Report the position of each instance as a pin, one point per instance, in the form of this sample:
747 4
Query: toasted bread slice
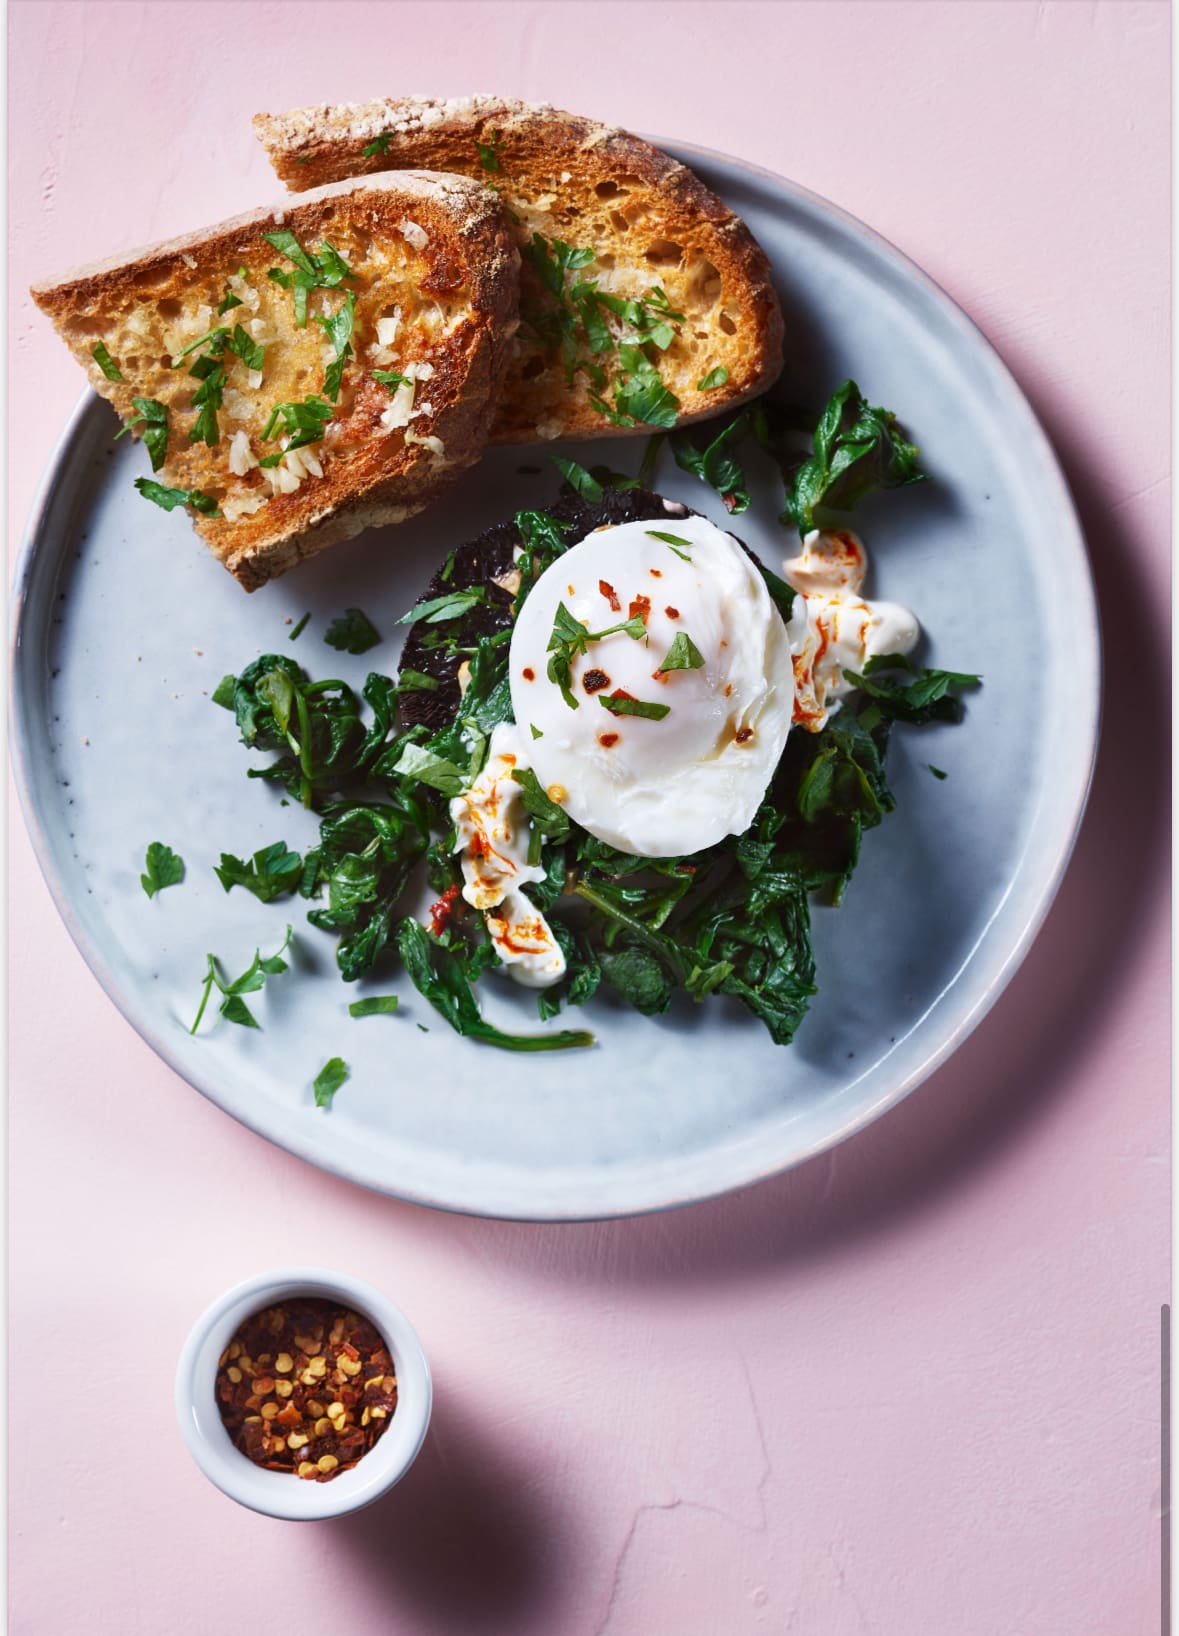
642 223
204 332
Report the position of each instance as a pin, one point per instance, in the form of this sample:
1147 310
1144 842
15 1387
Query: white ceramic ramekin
279 1493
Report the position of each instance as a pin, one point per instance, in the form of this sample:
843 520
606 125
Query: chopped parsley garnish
374 1005
936 771
304 422
535 731
489 151
207 400
214 338
229 300
169 499
683 654
379 144
676 541
430 768
233 1008
622 705
639 392
162 867
441 608
579 480
246 348
328 1081
715 377
573 321
352 632
105 362
338 329
326 270
271 873
390 378
153 417
416 681
298 630
570 637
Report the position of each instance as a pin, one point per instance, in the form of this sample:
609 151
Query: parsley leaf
440 608
216 339
374 1005
207 400
633 707
856 449
326 270
390 378
105 362
639 392
163 867
552 821
233 1008
683 654
246 348
169 499
579 480
153 417
715 377
570 637
271 873
416 681
328 1081
379 144
299 628
338 329
489 151
674 540
304 422
352 632
432 769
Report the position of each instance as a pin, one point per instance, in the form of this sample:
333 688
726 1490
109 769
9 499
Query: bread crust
467 260
543 152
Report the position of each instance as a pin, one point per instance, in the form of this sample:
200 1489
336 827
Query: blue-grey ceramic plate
124 625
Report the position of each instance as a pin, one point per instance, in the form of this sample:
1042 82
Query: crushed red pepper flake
306 1387
641 606
672 613
595 680
610 594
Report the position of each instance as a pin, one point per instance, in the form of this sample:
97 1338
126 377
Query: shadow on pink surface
464 1543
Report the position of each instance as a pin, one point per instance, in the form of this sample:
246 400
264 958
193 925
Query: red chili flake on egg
743 733
642 606
621 693
607 740
528 673
672 613
656 573
610 594
595 680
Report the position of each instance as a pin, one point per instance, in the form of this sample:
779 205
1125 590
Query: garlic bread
302 373
644 300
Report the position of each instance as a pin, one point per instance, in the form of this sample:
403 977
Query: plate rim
1088 668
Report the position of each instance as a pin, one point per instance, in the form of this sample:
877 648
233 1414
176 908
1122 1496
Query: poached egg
667 732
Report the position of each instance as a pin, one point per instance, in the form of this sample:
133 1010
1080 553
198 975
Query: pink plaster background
912 1388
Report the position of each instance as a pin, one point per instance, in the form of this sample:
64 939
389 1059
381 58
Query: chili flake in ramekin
306 1387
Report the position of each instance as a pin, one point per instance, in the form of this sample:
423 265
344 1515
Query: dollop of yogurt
492 834
833 629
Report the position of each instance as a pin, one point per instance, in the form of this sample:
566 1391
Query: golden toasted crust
647 219
430 256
